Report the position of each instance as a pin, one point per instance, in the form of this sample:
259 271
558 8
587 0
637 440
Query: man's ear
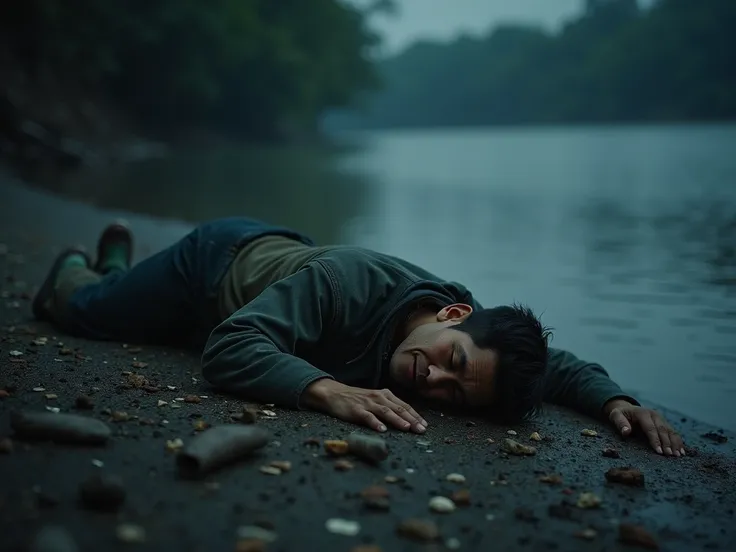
455 313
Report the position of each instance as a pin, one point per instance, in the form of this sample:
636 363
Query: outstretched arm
587 388
254 354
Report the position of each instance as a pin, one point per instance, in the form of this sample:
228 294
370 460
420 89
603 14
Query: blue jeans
170 297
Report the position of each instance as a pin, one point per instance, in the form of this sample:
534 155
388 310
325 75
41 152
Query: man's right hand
374 408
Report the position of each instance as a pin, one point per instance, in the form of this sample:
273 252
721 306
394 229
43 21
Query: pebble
367 447
461 497
255 532
514 447
83 402
391 479
192 399
54 409
535 436
587 534
283 465
336 447
452 543
588 501
174 444
551 479
15 353
97 463
343 465
377 503
342 527
130 533
589 433
161 403
611 453
418 530
104 493
511 432
455 478
70 428
51 396
626 476
39 389
270 470
441 505
268 413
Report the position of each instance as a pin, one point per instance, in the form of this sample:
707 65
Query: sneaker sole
46 291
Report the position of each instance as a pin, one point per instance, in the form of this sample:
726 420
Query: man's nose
437 376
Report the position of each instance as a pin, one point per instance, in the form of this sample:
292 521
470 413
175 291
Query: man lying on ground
336 329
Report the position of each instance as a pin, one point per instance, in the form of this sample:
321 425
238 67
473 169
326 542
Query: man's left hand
627 417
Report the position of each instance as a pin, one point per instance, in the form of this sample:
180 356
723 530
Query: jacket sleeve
252 353
582 386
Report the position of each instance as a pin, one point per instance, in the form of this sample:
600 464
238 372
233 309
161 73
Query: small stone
119 416
6 446
255 532
336 448
174 445
83 402
139 365
535 436
54 409
343 465
39 389
588 501
587 534
192 399
130 533
626 476
511 432
461 497
268 413
514 447
102 492
377 503
441 505
391 479
15 353
171 387
589 433
611 453
418 530
455 478
636 535
452 543
41 341
161 403
51 396
97 463
270 470
200 425
342 527
551 479
249 415
283 465
66 351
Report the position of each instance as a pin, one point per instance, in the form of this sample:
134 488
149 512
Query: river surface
623 239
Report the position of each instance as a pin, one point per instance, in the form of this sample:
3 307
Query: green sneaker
114 248
44 297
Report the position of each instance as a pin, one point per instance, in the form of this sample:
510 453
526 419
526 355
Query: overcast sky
444 18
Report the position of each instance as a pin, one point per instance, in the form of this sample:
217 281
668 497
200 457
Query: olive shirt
292 314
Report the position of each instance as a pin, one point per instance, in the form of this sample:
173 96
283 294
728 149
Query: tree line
252 67
674 60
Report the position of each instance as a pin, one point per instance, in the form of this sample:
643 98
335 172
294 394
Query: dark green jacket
335 318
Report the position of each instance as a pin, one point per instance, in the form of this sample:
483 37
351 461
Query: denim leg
150 303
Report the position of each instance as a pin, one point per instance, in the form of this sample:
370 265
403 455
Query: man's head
493 359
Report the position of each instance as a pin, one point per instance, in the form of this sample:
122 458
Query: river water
624 239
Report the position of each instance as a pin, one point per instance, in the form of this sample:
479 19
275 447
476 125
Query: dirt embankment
47 120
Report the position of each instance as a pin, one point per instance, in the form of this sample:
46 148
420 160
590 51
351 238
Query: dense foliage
617 62
247 65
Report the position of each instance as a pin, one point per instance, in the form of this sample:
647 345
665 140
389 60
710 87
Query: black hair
521 342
